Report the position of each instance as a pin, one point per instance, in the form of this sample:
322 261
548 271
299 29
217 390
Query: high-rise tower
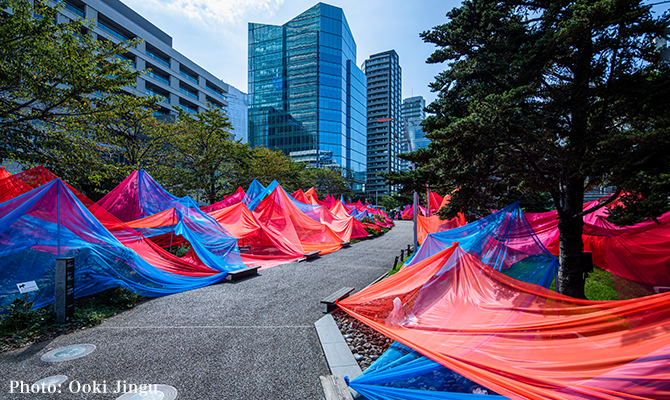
306 94
384 119
413 113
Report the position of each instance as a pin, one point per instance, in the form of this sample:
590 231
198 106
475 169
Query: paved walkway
253 339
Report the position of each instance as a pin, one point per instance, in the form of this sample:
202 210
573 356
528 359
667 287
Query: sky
214 33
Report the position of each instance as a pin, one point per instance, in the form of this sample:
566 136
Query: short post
395 262
64 291
587 261
409 249
402 255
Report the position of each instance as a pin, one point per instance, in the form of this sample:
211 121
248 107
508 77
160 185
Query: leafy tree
549 97
199 151
326 180
49 73
389 202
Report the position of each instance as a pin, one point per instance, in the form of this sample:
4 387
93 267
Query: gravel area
365 344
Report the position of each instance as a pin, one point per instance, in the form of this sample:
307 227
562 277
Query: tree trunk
570 280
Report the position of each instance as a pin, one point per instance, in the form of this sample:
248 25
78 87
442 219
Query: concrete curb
335 348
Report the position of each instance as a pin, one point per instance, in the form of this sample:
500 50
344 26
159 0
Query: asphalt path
252 339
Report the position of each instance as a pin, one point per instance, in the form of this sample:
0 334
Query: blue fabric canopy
50 222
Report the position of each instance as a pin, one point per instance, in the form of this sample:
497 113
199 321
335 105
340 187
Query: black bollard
402 255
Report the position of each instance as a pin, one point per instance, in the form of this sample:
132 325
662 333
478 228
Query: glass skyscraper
307 97
413 114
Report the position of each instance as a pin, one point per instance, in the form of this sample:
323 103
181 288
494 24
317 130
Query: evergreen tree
549 97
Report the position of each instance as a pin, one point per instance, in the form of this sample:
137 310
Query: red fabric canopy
519 339
230 200
640 252
278 212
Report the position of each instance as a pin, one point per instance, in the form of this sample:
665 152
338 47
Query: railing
223 96
153 93
188 93
189 77
112 31
189 109
74 9
158 58
159 78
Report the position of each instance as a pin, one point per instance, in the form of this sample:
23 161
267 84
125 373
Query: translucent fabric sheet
227 201
132 239
280 212
140 195
404 374
257 192
312 198
521 340
435 202
262 246
433 224
499 240
11 186
50 222
640 252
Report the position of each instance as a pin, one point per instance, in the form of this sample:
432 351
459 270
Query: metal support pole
416 209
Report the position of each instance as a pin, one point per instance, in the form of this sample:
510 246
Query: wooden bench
242 273
345 244
339 295
335 388
312 255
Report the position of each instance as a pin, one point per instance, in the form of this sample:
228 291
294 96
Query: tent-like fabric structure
131 238
11 186
257 192
435 202
282 213
402 373
500 240
518 339
49 222
140 195
640 252
264 246
433 224
231 200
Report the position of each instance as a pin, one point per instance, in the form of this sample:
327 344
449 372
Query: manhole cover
68 352
50 382
154 392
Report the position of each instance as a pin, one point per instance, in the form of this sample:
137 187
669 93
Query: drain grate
68 353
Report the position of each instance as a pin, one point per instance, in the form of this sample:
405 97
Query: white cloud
215 12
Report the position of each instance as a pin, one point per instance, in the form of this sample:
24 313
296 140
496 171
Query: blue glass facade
413 114
307 97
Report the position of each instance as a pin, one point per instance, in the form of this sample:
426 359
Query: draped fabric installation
49 222
640 252
518 339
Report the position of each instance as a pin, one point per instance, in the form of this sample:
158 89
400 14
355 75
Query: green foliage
372 231
548 98
52 74
326 180
198 151
599 286
20 324
389 202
